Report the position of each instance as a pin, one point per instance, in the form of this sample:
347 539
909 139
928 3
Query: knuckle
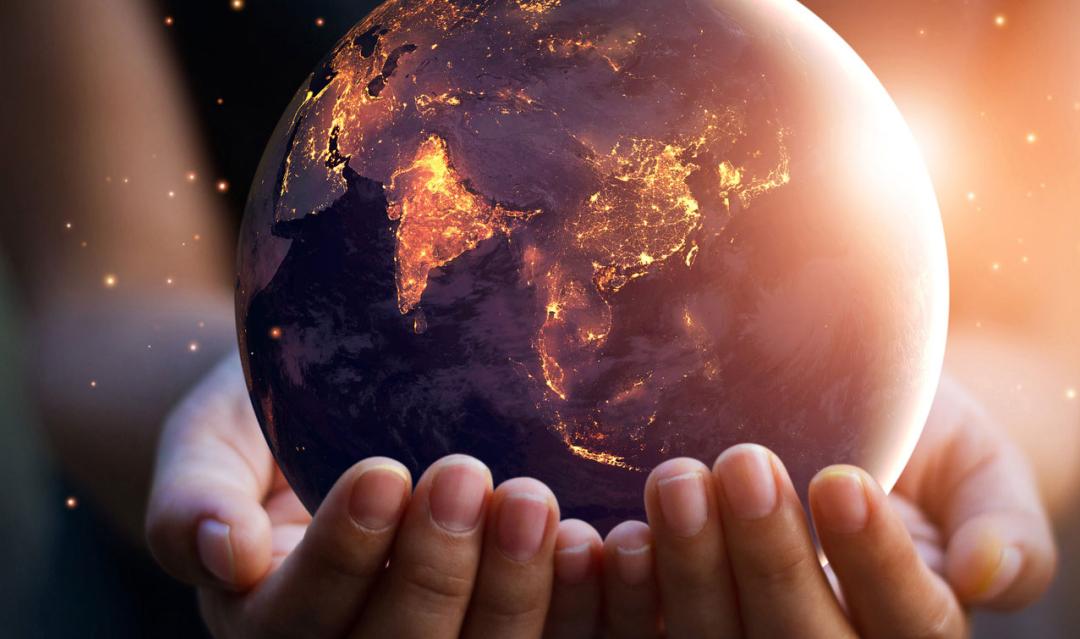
940 621
437 586
506 604
354 556
690 572
782 566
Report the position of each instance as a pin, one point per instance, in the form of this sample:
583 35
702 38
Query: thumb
205 522
977 486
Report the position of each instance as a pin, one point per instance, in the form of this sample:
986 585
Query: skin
963 528
223 519
726 551
109 176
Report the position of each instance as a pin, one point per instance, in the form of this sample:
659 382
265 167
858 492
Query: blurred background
132 128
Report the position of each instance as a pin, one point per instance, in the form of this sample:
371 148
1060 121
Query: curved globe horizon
574 239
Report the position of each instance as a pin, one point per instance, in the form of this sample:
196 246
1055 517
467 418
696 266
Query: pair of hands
726 553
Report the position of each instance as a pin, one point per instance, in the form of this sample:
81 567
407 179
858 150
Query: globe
574 238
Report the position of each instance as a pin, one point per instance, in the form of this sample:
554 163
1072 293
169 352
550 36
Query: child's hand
733 555
463 560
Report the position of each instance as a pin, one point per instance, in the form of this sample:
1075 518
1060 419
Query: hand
463 559
732 552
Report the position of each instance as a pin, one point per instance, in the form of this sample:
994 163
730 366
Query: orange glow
439 218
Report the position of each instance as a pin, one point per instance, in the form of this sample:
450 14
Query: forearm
114 230
106 377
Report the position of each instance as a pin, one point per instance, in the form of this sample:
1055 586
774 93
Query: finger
205 521
889 590
513 587
433 565
782 591
692 570
576 595
1001 551
631 601
979 489
325 581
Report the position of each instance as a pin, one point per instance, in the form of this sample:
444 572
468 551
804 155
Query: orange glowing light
222 186
439 218
71 503
110 280
320 22
193 346
237 5
275 332
1000 20
1032 138
168 21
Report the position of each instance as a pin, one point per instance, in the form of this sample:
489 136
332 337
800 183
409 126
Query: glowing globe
575 238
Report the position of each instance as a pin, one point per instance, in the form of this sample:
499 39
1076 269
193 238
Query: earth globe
574 238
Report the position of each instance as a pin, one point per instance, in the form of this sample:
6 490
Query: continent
643 213
604 141
439 218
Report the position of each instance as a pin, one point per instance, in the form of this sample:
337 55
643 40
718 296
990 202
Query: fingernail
572 564
749 484
683 503
633 563
457 496
840 499
215 549
377 497
522 520
1004 574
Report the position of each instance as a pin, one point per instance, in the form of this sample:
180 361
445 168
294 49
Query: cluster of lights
642 259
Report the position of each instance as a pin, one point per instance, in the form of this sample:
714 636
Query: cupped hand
379 559
728 550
